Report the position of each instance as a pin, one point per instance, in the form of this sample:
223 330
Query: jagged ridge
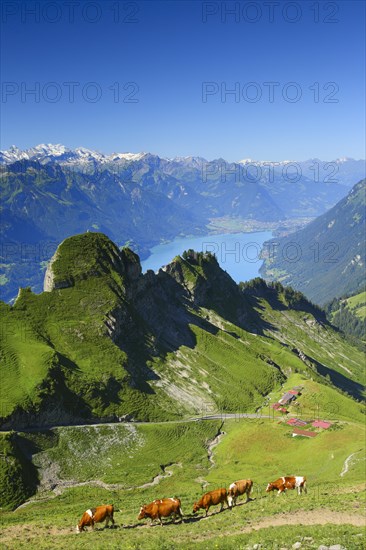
106 340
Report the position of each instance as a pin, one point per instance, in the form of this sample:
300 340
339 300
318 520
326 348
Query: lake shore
237 253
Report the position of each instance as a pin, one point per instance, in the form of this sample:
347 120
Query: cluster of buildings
288 398
305 433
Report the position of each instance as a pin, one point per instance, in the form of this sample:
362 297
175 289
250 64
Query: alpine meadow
183 327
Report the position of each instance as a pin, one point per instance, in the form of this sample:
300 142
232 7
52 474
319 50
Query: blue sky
140 77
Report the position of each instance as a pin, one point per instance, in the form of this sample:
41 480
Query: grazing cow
96 515
242 487
219 496
282 484
161 508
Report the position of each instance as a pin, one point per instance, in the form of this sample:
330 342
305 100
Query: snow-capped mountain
344 170
194 162
50 152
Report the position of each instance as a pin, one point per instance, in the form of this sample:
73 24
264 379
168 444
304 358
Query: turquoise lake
237 253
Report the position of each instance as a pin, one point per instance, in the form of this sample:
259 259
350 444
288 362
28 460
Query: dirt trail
347 463
313 517
214 416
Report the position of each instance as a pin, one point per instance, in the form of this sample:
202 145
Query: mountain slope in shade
349 314
104 340
326 259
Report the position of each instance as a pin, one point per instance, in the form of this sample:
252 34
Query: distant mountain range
345 171
105 340
50 192
326 259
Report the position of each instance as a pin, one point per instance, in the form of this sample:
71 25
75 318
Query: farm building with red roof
321 424
296 422
287 398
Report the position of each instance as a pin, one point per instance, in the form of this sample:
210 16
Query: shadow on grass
193 518
243 502
148 525
187 519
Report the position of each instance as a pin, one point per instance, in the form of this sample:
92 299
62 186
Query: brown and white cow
96 515
218 496
159 508
241 487
282 484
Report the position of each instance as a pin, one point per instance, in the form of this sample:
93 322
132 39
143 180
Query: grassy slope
328 353
90 362
263 450
357 303
26 360
18 476
260 449
349 315
131 454
231 362
228 368
56 350
74 324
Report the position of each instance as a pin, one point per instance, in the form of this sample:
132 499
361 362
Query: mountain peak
60 153
88 255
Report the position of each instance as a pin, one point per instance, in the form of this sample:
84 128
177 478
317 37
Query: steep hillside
349 314
326 259
103 340
18 476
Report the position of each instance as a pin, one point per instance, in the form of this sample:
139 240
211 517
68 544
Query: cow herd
166 507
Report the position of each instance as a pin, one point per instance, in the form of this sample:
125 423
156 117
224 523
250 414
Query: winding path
307 517
347 463
222 416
